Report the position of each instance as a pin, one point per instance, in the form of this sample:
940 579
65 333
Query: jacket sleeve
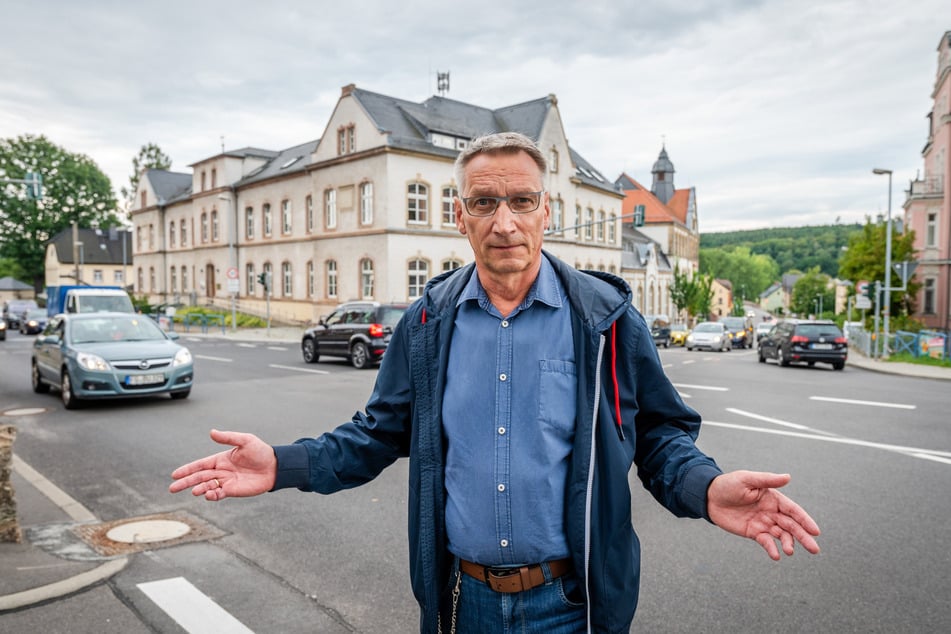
356 452
669 464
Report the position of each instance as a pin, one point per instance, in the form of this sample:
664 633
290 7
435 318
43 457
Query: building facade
365 212
928 204
89 257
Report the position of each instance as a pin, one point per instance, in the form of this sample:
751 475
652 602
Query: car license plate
144 379
822 346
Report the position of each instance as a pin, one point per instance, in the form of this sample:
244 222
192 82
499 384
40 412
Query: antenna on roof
442 83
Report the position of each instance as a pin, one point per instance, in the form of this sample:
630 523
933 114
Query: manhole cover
25 411
148 531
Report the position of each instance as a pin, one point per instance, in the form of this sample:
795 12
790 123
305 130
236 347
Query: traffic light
870 291
262 278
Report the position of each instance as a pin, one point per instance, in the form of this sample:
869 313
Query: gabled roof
169 186
773 288
98 246
680 203
12 284
293 159
637 249
654 210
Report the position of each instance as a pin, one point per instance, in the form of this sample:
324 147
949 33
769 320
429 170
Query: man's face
505 242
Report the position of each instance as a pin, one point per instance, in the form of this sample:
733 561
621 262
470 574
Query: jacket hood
599 298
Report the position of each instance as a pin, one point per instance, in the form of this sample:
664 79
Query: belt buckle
499 572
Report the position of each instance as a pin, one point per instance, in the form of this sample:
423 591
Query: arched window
214 225
249 223
451 264
251 279
366 203
184 279
287 278
171 233
331 278
366 278
267 220
417 203
330 209
184 232
173 280
309 206
311 279
204 227
449 192
286 216
418 276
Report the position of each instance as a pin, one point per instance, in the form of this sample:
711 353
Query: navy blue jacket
627 413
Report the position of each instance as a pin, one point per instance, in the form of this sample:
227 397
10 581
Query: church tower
663 172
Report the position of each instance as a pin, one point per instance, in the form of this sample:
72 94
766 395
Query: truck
87 299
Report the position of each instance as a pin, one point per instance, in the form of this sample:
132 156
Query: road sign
905 269
232 273
861 288
862 302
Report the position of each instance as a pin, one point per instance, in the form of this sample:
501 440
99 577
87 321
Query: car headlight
716 339
689 337
182 357
92 362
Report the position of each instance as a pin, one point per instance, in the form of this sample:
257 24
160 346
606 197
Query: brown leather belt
510 580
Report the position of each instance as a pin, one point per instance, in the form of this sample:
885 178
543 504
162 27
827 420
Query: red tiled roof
678 204
654 210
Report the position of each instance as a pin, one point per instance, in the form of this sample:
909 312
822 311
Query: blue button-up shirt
508 414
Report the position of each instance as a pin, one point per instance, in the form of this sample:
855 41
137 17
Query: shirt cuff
696 483
293 468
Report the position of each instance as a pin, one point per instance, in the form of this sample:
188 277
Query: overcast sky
776 111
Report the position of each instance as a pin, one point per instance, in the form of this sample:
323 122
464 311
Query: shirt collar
546 288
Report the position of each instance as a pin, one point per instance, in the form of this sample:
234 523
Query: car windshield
814 331
389 315
733 322
708 327
36 314
679 327
102 329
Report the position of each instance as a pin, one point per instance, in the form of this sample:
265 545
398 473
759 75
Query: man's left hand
748 504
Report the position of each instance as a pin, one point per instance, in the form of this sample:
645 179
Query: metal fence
927 343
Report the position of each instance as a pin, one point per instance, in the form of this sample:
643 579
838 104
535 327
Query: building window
184 232
588 220
612 229
366 278
266 222
341 141
97 276
117 277
417 203
366 203
142 201
171 234
553 161
418 276
151 279
331 278
451 265
214 225
311 279
140 280
931 232
250 280
287 279
249 223
173 279
557 215
151 236
578 220
138 239
309 206
600 226
214 178
928 307
351 138
204 227
202 182
330 209
286 216
448 212
346 139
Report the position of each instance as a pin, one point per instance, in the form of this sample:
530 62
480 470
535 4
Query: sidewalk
857 360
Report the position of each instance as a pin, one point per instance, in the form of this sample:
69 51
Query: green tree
692 294
864 259
808 289
150 156
750 273
10 268
74 190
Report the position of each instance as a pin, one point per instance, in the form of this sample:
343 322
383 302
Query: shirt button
503 377
501 431
501 488
504 543
505 323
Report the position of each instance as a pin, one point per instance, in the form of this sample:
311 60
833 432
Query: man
522 391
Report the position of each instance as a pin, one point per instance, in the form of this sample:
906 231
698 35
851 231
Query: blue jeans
546 609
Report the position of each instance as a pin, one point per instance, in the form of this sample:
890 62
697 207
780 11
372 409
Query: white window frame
249 223
417 203
366 203
287 278
330 209
309 203
267 219
449 193
331 273
367 278
252 280
311 279
417 276
287 216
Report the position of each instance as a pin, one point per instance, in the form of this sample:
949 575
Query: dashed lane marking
208 358
290 367
278 348
712 388
193 610
850 401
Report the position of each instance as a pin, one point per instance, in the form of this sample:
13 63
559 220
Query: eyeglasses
518 203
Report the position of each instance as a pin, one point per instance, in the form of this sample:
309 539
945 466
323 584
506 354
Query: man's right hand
248 469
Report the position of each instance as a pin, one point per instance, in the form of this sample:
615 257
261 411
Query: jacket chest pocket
557 397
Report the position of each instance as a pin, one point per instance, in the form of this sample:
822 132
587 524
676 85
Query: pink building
928 204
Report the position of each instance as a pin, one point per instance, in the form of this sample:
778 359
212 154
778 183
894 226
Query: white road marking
194 611
278 348
925 456
689 362
296 369
247 345
854 402
207 358
775 421
702 387
916 452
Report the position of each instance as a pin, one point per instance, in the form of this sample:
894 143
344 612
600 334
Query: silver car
709 335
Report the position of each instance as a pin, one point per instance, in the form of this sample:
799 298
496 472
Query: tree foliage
808 289
74 190
750 273
692 294
150 156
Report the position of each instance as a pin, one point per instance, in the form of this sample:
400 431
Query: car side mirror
172 335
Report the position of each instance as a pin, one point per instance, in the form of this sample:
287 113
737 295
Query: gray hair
498 143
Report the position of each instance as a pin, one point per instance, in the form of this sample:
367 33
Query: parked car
711 335
33 322
660 329
90 356
14 310
762 329
3 329
802 341
678 334
741 331
358 331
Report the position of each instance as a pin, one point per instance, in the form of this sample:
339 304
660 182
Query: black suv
800 341
15 309
358 331
741 329
660 329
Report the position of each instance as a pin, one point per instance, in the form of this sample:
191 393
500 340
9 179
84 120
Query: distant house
11 288
94 257
773 300
788 283
722 303
645 266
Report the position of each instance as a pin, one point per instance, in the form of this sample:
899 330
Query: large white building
364 212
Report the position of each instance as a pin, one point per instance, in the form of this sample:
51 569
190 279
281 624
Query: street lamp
820 305
233 264
888 256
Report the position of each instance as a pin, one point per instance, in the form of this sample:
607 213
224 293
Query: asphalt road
870 456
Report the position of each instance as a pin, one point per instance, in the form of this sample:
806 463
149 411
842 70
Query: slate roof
293 159
637 249
98 246
12 284
169 186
